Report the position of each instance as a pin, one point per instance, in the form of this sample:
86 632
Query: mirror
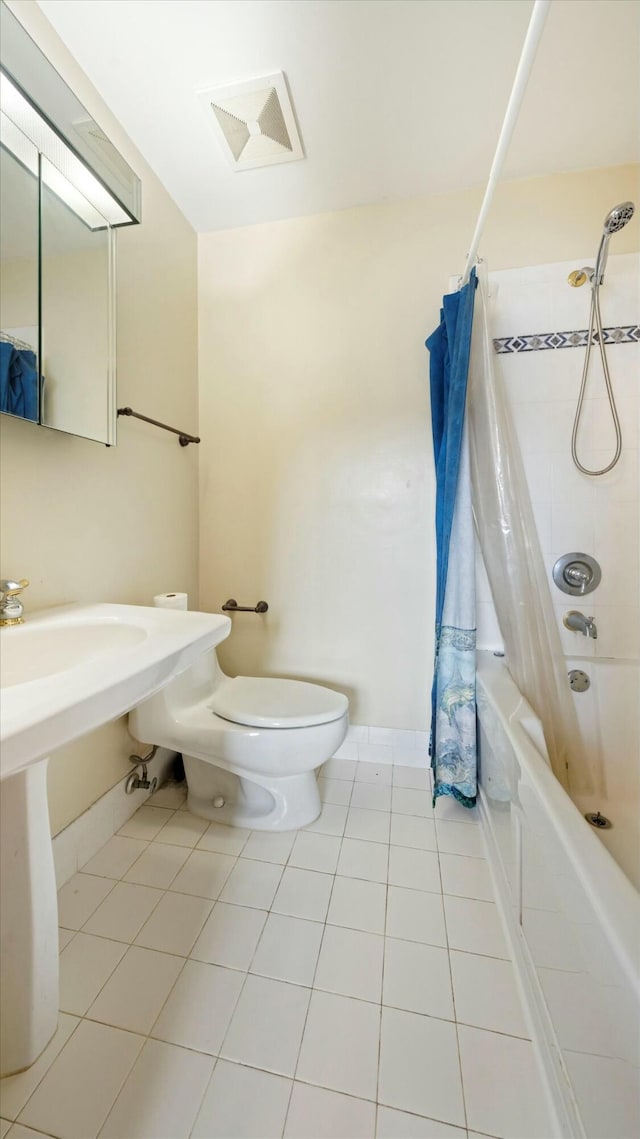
64 189
76 305
19 309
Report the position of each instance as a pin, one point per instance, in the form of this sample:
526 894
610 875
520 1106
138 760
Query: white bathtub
609 718
573 916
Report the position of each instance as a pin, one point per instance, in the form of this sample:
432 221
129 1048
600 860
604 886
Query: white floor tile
161 1096
303 894
175 924
224 839
20 1132
183 829
242 1103
415 916
315 1113
456 839
137 989
252 884
339 769
368 860
502 1086
449 810
331 820
288 949
358 904
199 1007
350 963
170 795
80 897
372 772
416 778
372 826
85 966
414 869
124 912
411 830
5 1124
409 801
157 865
267 847
474 927
78 1091
340 1045
115 857
315 852
64 937
337 791
204 874
393 1124
486 995
371 797
419 1069
267 1025
146 823
466 877
15 1090
230 936
417 978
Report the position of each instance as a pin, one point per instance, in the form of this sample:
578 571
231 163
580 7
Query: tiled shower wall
573 511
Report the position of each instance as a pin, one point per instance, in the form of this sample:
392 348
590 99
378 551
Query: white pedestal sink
64 672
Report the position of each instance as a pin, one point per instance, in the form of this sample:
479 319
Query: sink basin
64 672
37 652
70 669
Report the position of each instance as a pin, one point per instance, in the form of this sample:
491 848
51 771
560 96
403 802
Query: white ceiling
394 98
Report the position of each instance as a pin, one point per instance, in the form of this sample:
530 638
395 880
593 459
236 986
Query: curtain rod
529 48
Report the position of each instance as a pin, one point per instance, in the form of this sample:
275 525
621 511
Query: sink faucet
578 623
11 610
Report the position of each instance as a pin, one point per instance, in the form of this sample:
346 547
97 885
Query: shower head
615 220
618 217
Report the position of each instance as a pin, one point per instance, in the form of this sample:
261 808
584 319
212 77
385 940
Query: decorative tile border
538 342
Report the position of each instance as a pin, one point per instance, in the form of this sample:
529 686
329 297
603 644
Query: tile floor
348 981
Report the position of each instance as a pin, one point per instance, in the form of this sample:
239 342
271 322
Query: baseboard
84 837
563 1108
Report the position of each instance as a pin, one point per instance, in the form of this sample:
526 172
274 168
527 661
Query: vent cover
254 121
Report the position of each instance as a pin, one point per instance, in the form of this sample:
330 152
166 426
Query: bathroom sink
68 670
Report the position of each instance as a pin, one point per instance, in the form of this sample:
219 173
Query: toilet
250 745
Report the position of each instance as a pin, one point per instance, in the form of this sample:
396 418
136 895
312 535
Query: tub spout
578 623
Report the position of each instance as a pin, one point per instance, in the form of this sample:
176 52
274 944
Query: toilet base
280 803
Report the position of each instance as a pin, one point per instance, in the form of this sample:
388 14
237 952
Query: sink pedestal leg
28 920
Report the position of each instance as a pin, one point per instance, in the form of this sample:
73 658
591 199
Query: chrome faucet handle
11 610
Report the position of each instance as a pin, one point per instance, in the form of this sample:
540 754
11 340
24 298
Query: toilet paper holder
231 606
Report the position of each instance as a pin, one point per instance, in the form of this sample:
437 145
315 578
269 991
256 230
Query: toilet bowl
250 745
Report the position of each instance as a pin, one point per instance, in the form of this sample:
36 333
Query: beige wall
317 487
84 522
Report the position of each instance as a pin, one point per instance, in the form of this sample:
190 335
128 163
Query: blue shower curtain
453 696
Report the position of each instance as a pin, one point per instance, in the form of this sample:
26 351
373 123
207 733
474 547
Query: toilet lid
262 702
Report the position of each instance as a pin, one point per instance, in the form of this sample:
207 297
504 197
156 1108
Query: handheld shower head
615 220
618 217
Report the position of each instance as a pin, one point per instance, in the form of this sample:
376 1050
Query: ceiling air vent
254 121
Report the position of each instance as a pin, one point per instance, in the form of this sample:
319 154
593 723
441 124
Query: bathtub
609 719
572 915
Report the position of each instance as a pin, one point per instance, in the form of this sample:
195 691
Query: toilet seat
263 702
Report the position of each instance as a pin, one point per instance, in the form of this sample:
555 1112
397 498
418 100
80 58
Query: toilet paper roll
171 600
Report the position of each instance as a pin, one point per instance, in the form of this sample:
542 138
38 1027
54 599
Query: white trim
87 834
372 744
